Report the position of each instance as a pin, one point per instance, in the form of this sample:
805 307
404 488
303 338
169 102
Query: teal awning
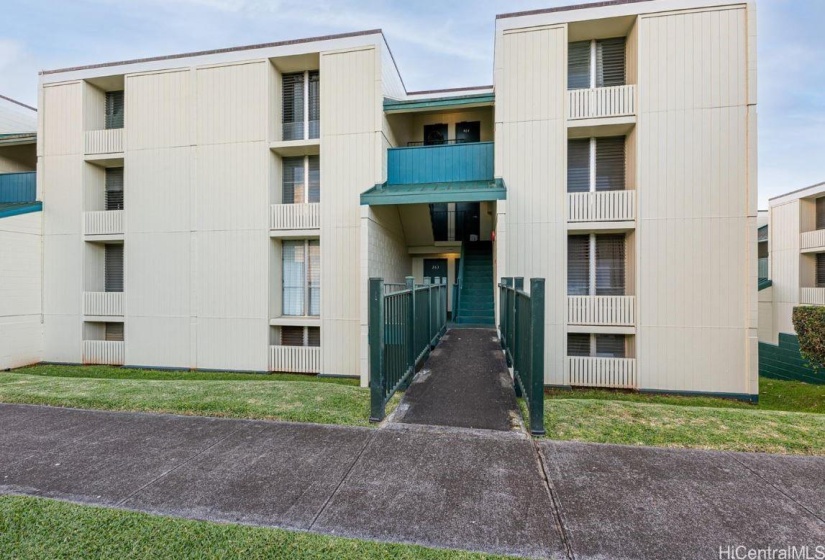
438 103
432 193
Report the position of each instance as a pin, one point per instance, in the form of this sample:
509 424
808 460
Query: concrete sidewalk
445 487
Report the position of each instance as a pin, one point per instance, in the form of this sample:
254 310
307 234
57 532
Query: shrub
809 322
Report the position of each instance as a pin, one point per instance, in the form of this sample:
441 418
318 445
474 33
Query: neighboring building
797 277
224 210
762 250
21 330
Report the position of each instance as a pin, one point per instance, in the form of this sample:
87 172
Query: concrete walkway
446 487
464 383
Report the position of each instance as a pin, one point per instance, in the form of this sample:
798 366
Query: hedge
809 322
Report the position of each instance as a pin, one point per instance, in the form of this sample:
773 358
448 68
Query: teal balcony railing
18 187
440 164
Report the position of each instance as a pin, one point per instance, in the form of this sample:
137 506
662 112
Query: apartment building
796 276
21 335
225 210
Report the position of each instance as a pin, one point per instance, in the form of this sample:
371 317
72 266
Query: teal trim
396 106
764 283
784 361
18 187
440 164
735 396
432 193
18 208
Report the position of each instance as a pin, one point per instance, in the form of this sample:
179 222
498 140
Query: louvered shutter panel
820 213
314 277
610 163
114 188
610 265
820 270
314 100
114 109
610 346
578 65
314 179
313 336
294 277
293 106
293 182
578 265
578 344
292 336
113 332
113 265
610 62
578 165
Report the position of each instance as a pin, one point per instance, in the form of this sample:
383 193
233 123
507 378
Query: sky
436 44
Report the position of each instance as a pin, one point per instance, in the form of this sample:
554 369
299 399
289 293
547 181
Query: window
114 109
820 270
606 154
820 213
301 278
596 345
596 265
114 188
597 63
301 106
301 336
113 265
301 180
113 332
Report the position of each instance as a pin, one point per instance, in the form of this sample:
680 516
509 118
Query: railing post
518 285
430 335
376 341
537 356
411 351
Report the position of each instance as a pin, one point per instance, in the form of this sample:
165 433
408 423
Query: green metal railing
521 329
404 325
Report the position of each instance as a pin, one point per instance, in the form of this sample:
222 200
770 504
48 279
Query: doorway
435 270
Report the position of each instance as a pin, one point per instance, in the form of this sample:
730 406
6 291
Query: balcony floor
432 193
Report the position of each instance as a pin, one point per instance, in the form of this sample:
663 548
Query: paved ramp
463 384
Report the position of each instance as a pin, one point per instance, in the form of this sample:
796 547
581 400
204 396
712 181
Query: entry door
467 132
435 134
435 268
468 215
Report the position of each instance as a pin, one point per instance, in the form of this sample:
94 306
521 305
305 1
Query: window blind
820 213
113 332
314 336
292 336
578 344
820 270
314 100
113 265
610 265
293 180
114 109
294 277
114 188
314 277
314 179
610 345
610 163
578 265
293 106
578 65
578 165
610 62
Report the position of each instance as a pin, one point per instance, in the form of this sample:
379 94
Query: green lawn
790 418
236 395
35 528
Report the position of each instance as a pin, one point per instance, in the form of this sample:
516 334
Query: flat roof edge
216 51
797 191
602 4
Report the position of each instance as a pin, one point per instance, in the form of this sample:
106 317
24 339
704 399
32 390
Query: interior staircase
476 298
